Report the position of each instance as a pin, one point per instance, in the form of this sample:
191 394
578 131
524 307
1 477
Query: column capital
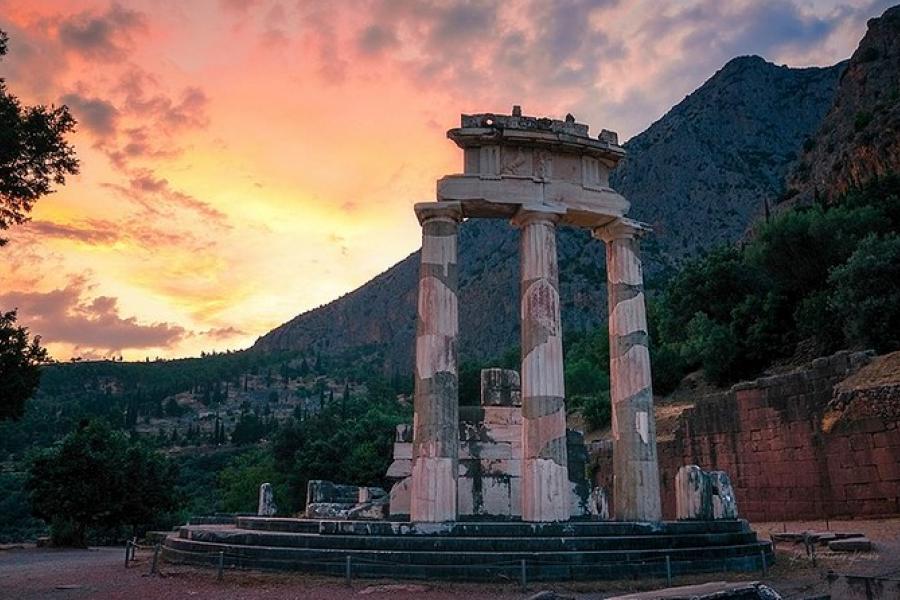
621 229
430 211
528 214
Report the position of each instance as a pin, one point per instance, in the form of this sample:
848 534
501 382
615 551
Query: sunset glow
243 161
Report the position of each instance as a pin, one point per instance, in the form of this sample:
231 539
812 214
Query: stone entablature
514 161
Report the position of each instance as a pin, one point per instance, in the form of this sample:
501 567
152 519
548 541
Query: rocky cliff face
860 137
704 171
699 175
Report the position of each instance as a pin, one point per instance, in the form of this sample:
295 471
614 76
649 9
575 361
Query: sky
243 161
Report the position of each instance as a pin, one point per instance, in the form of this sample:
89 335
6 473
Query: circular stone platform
473 550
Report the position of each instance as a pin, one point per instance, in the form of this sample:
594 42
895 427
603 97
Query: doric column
436 404
545 479
635 469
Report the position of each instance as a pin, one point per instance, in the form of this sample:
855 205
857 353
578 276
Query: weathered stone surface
856 544
545 481
500 387
266 506
636 480
400 468
724 502
319 490
719 590
328 510
702 495
435 444
399 502
327 500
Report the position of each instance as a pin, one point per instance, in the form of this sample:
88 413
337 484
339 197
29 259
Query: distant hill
700 175
859 139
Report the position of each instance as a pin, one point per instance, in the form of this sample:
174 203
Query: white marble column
635 466
436 405
545 479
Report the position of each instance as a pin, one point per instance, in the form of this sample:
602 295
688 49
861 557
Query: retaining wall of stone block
789 452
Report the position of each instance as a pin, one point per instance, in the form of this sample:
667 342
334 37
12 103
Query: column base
433 490
545 490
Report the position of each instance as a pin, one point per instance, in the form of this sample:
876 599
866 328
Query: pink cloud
65 315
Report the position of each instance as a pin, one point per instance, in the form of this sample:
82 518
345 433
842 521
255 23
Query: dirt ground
28 573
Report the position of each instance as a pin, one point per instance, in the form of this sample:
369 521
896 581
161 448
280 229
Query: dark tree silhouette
34 153
20 361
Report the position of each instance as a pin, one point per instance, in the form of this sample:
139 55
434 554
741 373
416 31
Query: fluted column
635 469
436 403
545 480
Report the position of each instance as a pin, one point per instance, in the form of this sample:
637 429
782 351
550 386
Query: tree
34 153
97 478
20 366
249 430
867 294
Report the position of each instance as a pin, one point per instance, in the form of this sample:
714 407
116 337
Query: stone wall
797 445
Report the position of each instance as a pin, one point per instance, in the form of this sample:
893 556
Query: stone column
436 404
635 469
545 479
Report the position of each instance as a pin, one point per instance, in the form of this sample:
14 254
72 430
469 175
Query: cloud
94 325
101 37
222 333
187 112
375 38
145 186
91 232
94 114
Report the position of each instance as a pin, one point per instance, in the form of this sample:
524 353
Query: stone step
491 528
459 543
410 557
474 565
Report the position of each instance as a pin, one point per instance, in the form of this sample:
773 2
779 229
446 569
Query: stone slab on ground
815 537
716 590
856 544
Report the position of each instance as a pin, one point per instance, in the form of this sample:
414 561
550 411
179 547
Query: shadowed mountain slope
699 174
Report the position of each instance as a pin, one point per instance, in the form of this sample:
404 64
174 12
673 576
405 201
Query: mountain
704 171
699 174
860 137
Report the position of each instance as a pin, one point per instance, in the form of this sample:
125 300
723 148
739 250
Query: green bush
596 410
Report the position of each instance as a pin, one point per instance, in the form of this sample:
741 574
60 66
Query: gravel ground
36 573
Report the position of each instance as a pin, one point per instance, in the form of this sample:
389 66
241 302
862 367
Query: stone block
402 450
500 387
400 497
502 415
702 495
496 496
464 497
371 494
692 496
857 544
492 451
318 491
404 433
266 506
399 469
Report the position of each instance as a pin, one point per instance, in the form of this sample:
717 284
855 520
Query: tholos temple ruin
500 489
